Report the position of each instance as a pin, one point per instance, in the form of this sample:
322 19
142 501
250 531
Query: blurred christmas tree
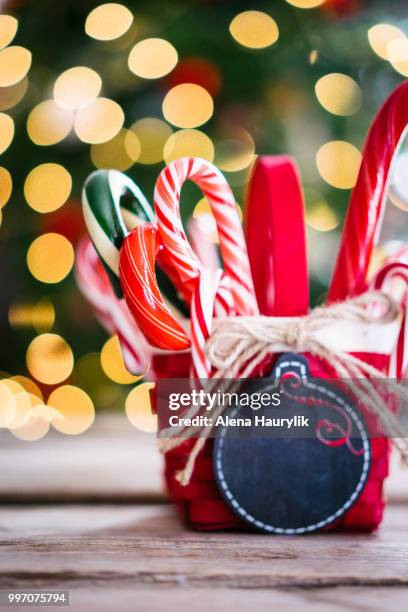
132 85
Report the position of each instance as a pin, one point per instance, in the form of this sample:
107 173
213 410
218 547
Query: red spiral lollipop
366 209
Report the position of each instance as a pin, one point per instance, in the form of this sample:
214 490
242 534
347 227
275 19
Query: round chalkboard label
288 481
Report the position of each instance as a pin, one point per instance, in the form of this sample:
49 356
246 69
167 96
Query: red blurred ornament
199 71
67 221
342 8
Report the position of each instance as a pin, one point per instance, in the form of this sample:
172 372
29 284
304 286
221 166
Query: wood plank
146 546
110 462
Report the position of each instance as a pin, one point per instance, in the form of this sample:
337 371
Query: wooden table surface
87 514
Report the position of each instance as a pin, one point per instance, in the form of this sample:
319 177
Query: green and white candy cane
112 206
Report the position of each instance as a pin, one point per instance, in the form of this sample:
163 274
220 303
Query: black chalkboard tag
292 482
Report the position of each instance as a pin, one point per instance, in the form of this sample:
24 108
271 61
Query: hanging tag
297 479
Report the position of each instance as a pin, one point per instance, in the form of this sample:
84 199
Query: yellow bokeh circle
138 408
47 187
338 163
152 134
6 186
380 35
188 105
49 359
48 123
188 143
113 364
6 131
50 258
152 58
108 21
8 29
76 87
339 94
11 96
120 153
15 62
99 121
74 406
254 29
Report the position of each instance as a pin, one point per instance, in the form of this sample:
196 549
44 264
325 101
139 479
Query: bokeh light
254 29
6 186
7 405
108 21
15 62
50 258
305 4
188 143
338 163
77 87
113 364
29 385
11 96
47 187
76 408
120 153
41 315
339 94
322 218
207 224
138 408
152 134
236 153
188 105
29 426
8 29
99 121
49 359
152 58
398 55
6 132
48 123
380 35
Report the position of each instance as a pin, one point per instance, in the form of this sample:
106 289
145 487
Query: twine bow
238 345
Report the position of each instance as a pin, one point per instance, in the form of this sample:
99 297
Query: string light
6 132
77 87
47 187
74 406
8 29
190 143
49 359
6 186
138 408
99 121
50 258
152 134
152 58
339 94
108 21
338 163
48 123
254 29
15 62
188 105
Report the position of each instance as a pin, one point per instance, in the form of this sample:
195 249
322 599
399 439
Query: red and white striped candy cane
392 278
366 209
112 313
232 242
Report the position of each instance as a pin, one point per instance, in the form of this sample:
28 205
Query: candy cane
111 312
232 241
365 213
112 205
392 278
